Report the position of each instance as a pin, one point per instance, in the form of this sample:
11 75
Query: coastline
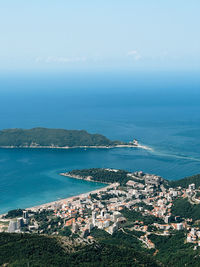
85 147
81 178
53 204
107 185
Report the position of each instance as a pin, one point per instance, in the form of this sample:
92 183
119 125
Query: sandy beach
53 204
61 201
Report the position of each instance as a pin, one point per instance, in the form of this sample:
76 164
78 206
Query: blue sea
161 110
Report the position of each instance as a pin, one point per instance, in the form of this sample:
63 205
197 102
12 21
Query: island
137 219
58 138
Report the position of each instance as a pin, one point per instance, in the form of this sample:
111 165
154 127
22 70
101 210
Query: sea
159 109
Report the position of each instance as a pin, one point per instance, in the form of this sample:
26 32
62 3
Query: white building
12 226
179 226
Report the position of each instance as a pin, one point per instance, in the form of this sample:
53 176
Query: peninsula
58 138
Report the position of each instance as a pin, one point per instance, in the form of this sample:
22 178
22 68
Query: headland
60 139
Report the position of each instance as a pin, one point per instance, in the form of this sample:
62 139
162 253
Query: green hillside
195 179
102 175
52 137
22 250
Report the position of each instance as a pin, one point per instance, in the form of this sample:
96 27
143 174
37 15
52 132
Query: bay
160 110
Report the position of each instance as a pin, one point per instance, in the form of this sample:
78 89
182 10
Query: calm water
160 110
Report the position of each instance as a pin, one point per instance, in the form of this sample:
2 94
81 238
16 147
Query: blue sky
115 34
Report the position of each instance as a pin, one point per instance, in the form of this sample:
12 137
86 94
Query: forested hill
195 179
120 176
39 137
39 250
101 175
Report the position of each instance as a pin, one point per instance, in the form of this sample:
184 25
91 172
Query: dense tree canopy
195 179
34 250
55 137
102 175
183 208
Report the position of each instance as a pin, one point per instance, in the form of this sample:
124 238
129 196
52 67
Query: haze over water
160 110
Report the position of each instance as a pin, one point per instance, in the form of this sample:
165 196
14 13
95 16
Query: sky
99 34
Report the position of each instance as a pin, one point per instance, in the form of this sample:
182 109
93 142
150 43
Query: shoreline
66 174
107 185
74 147
52 204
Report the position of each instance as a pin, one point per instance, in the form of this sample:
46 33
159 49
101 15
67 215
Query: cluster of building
193 236
85 212
16 225
103 209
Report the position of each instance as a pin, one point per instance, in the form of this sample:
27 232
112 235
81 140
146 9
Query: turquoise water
160 110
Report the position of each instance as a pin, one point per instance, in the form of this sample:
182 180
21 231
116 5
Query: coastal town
144 205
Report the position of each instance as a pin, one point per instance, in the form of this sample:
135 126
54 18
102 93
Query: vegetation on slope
173 251
102 175
133 216
107 176
183 208
195 179
14 213
35 250
52 137
120 249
